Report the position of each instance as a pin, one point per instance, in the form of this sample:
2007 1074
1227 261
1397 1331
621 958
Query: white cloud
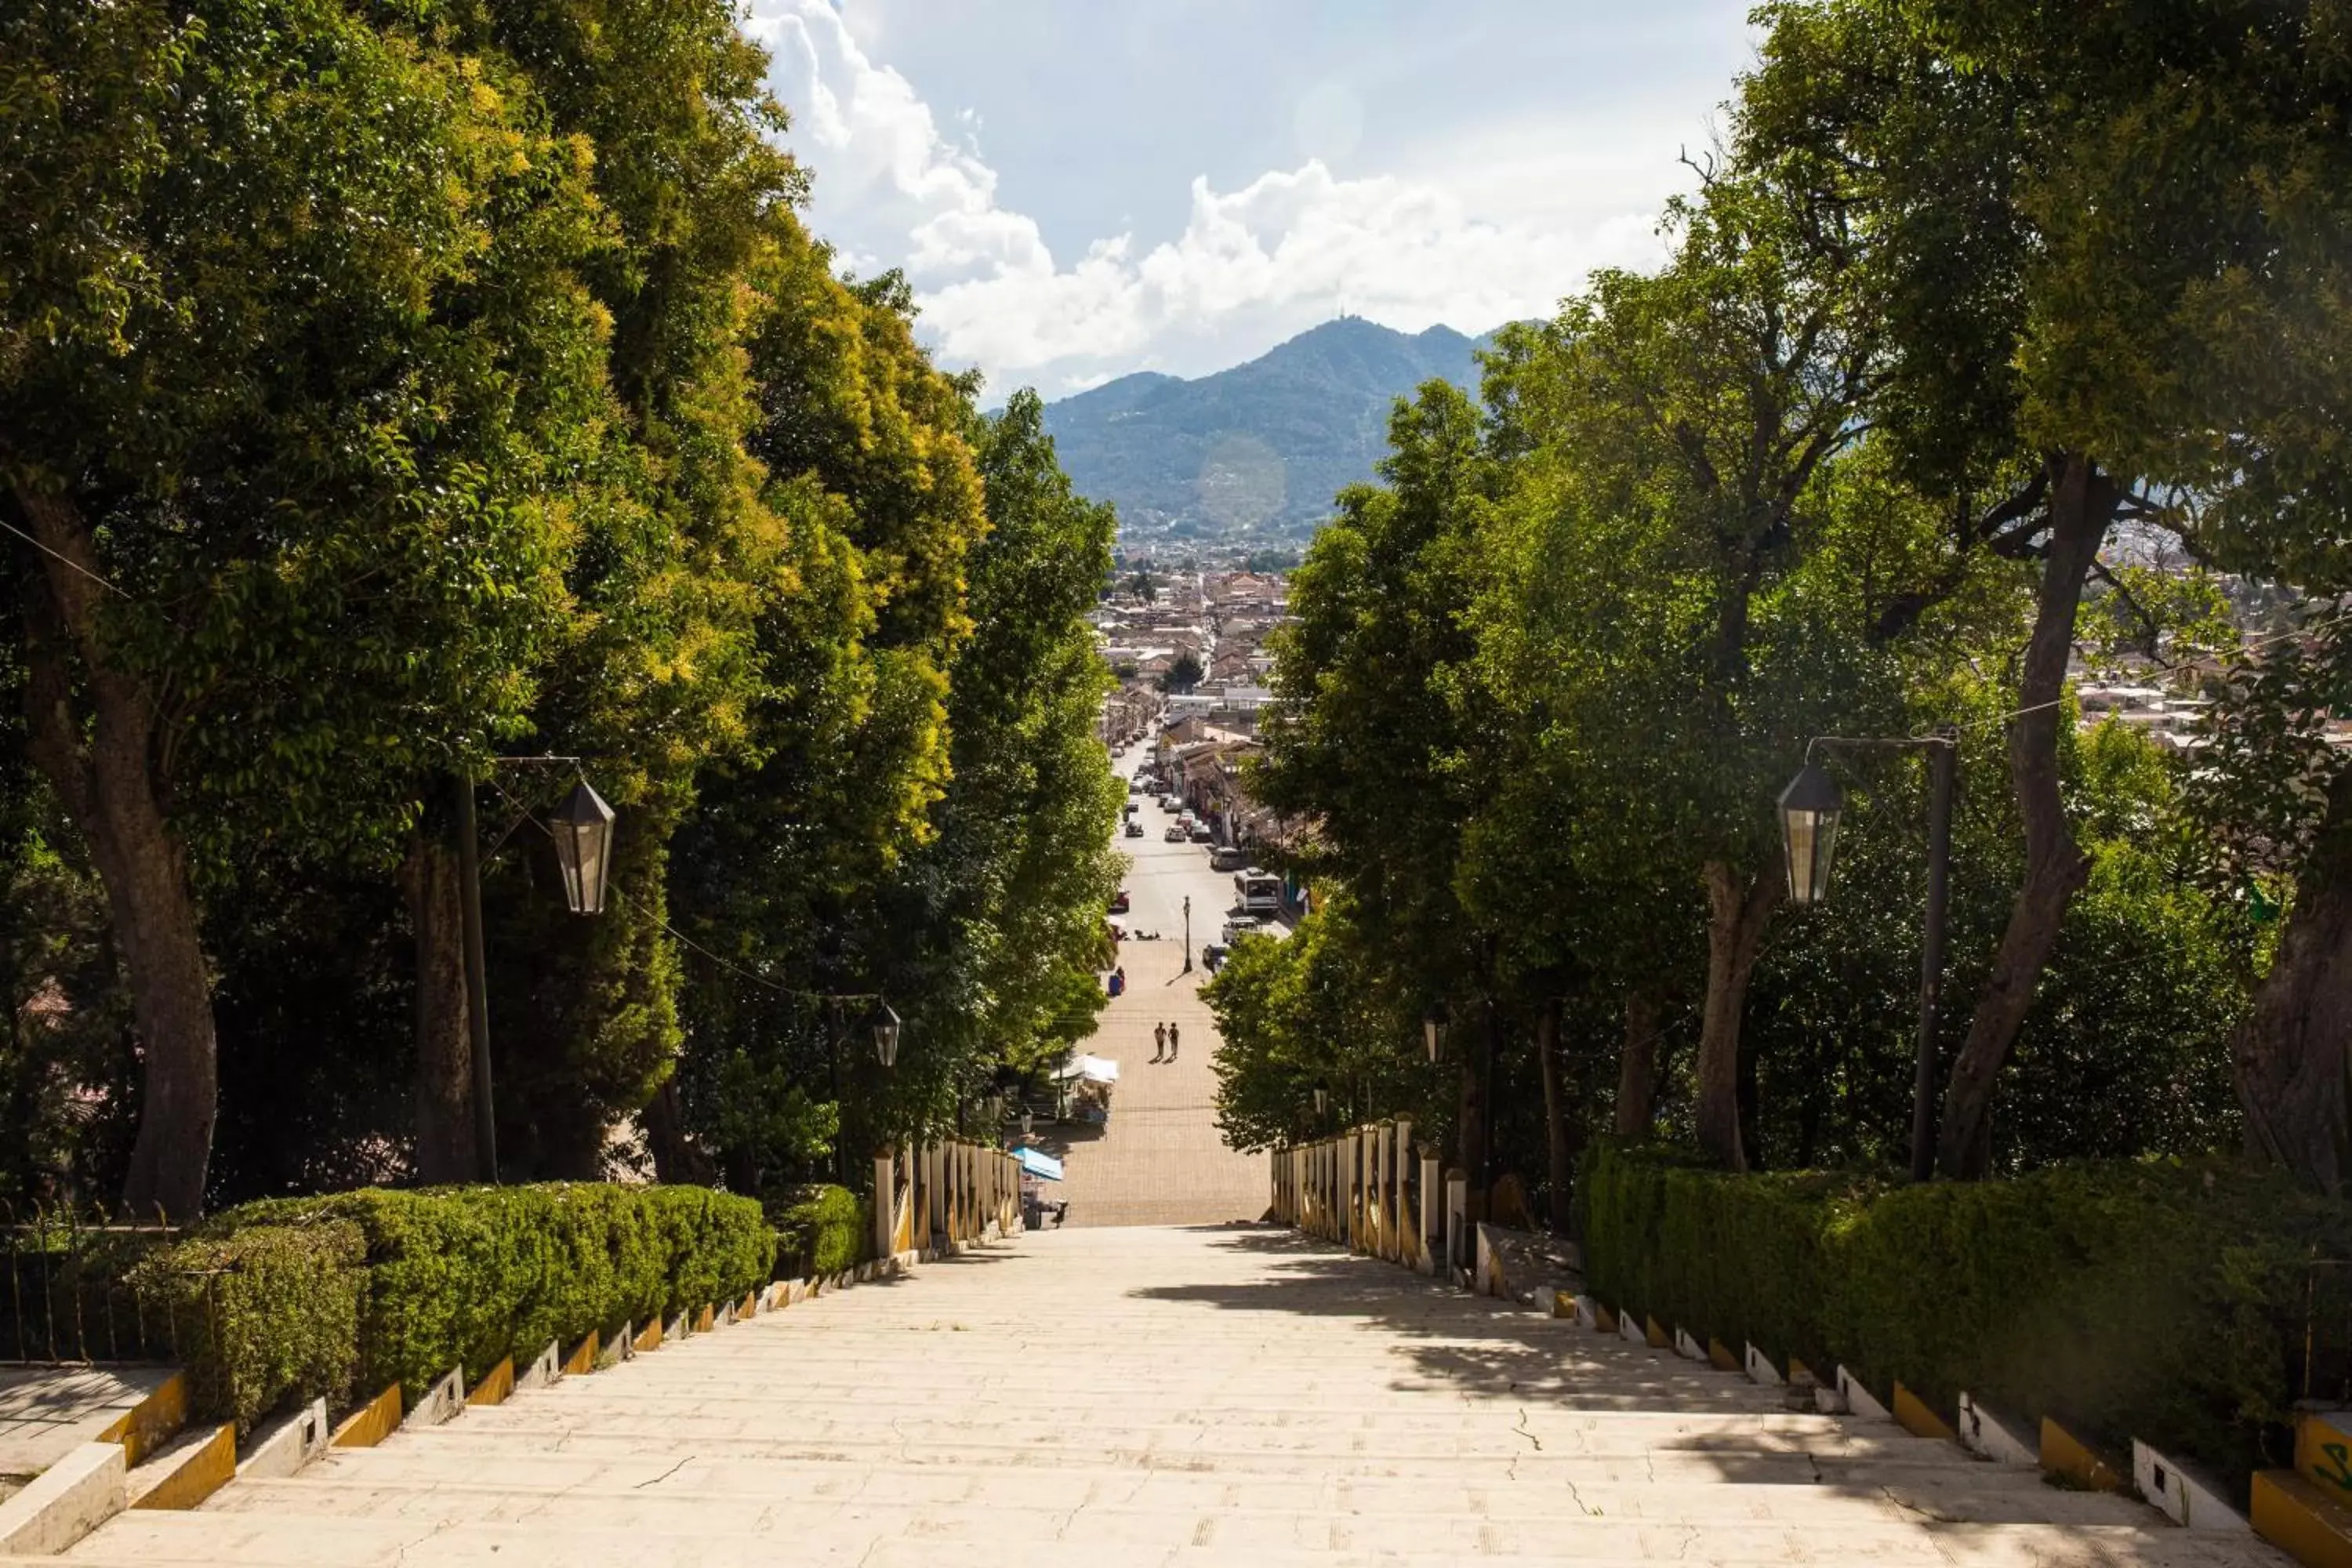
1251 265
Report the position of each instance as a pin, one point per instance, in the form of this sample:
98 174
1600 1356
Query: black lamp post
885 1023
1188 933
1433 1031
1810 809
582 831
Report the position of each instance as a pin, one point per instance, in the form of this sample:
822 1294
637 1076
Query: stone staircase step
735 1498
585 1532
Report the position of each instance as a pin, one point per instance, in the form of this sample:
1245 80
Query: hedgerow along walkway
1155 1396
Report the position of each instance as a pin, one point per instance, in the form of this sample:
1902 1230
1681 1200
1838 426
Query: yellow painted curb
371 1423
651 1339
751 1307
497 1385
707 1322
2301 1520
1603 1319
1720 1357
202 1469
1912 1414
582 1359
2323 1451
1659 1339
150 1424
2063 1453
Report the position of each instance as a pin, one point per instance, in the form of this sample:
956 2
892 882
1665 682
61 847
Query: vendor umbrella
1037 1164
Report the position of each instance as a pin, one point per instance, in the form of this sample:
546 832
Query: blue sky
1081 188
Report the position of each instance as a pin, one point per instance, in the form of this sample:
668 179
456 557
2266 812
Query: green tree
299 495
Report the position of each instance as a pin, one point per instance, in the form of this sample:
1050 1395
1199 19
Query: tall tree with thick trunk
298 496
93 731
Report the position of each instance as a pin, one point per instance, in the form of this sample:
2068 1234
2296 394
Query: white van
1258 892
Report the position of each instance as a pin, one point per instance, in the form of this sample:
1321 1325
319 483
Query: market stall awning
1092 1070
1038 1164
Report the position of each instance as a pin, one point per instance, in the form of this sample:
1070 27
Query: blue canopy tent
1037 1164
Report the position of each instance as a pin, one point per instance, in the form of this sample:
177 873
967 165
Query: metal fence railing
64 1296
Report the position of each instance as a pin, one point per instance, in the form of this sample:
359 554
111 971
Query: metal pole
1943 765
1188 933
477 1003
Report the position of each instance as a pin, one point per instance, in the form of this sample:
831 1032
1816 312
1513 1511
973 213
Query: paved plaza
1147 1397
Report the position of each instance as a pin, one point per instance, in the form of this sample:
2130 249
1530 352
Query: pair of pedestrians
1164 1042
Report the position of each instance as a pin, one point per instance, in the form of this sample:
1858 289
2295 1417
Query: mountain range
1251 457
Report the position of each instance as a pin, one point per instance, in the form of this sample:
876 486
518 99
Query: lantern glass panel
1810 809
582 830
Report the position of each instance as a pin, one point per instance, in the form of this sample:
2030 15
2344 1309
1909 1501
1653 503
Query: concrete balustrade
942 1194
1367 1188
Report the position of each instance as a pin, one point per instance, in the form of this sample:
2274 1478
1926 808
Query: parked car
1242 926
1175 834
1228 858
1214 955
1128 810
1204 834
1134 786
1170 803
1134 828
1119 903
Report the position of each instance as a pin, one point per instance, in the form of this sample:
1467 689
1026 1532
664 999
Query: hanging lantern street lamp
886 1035
1433 1031
583 847
1810 808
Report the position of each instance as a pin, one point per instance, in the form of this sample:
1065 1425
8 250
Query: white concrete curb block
444 1401
545 1370
1628 1329
284 1447
2191 1504
1688 1347
1858 1400
1982 1432
1762 1369
64 1502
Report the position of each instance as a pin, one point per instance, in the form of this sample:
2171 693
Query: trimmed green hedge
258 1315
2161 1299
468 1275
822 1229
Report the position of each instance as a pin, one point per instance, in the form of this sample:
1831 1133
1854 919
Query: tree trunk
2289 1055
1637 1067
444 1048
1737 916
2083 503
1558 1146
678 1159
101 760
1471 1130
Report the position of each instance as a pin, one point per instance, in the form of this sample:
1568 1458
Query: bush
2160 1299
822 1229
258 1315
468 1275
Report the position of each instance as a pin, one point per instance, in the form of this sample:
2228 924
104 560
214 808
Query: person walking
1159 1041
1172 1042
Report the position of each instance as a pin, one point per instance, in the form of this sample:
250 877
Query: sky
1078 189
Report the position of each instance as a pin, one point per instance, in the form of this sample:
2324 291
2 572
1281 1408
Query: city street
1160 1161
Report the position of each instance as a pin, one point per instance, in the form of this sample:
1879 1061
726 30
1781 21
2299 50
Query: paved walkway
1149 1398
1160 1160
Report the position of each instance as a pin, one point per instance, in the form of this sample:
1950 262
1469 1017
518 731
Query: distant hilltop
1251 455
